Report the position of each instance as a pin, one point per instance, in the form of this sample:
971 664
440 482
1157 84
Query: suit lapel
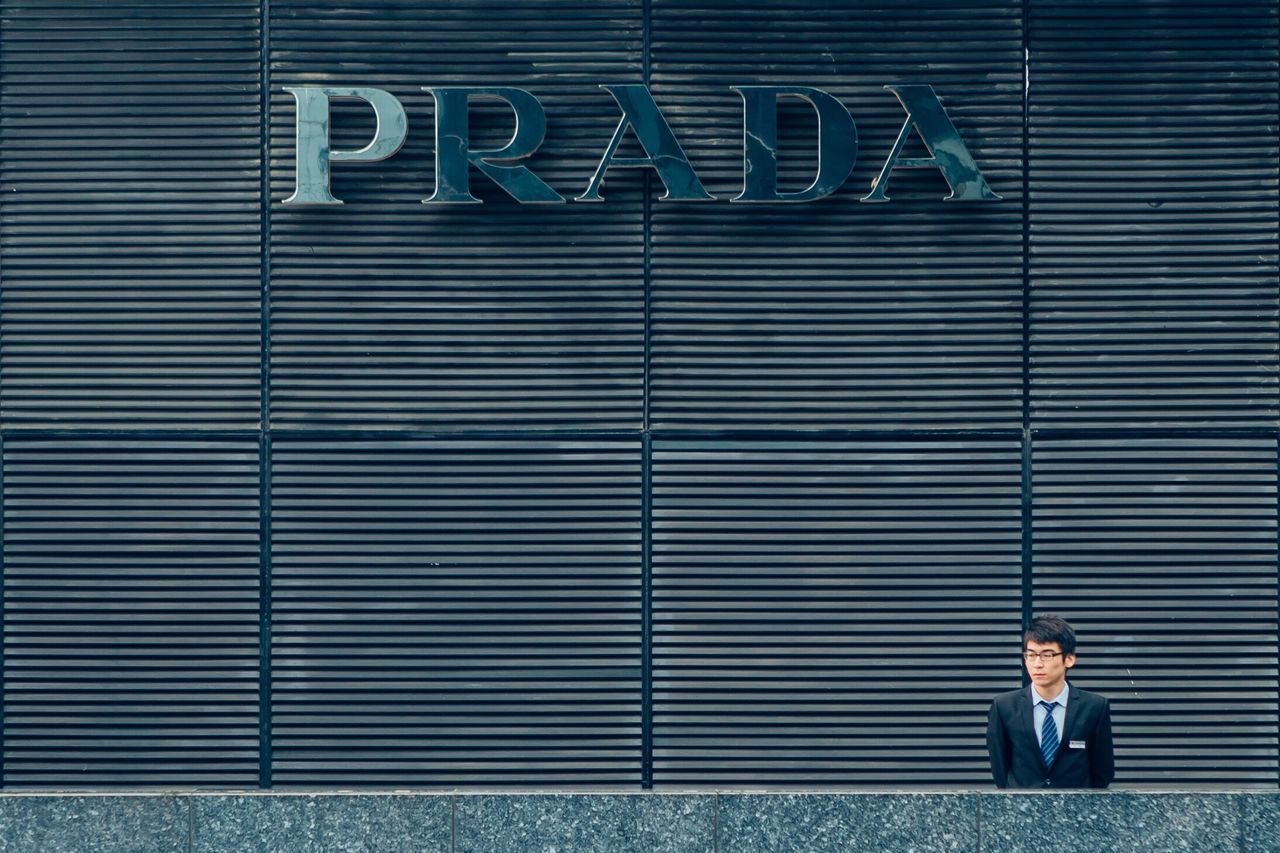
1026 713
1073 705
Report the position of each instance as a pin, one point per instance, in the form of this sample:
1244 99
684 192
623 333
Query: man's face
1049 675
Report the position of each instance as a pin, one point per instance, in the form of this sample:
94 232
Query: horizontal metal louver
1153 170
832 612
130 612
388 313
454 612
130 227
836 314
1162 552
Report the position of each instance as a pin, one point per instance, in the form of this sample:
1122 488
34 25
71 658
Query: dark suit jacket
1085 759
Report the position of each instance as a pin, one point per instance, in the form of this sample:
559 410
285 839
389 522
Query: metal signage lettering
947 149
455 156
837 145
661 149
311 186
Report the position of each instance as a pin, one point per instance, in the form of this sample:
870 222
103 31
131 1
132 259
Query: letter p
311 186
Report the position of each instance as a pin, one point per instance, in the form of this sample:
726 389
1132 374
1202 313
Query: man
1050 734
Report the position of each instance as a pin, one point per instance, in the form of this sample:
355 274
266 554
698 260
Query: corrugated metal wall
632 493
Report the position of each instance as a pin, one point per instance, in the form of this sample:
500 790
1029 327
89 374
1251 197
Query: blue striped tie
1049 734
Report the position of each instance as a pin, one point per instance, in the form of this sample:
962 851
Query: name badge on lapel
1077 744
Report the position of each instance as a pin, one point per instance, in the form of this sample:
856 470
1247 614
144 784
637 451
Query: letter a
662 151
949 154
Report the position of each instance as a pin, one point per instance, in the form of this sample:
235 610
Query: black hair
1051 628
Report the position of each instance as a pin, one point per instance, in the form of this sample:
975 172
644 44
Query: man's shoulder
1084 697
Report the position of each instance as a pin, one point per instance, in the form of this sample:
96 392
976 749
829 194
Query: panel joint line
646 502
1027 457
264 419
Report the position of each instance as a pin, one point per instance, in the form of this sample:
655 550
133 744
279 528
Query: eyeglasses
1047 657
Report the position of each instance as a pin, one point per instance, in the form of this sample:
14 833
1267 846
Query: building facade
632 493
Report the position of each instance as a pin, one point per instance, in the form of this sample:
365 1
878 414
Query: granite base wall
656 823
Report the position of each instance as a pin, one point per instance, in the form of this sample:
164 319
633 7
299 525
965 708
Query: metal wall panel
1153 175
456 611
130 228
131 612
836 314
1164 553
832 612
388 313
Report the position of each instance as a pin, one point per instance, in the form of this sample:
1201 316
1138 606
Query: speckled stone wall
655 823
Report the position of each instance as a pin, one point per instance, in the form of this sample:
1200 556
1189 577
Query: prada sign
837 145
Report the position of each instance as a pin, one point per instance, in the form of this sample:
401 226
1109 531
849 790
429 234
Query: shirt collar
1061 698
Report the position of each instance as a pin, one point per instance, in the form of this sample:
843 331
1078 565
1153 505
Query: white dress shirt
1059 713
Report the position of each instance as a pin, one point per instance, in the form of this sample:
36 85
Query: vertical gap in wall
646 515
3 609
264 418
1026 326
1027 589
1277 704
646 619
3 692
648 221
264 612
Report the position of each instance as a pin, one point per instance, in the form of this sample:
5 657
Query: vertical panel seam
646 448
4 692
646 616
264 612
647 202
264 155
1026 486
264 418
4 610
1026 221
